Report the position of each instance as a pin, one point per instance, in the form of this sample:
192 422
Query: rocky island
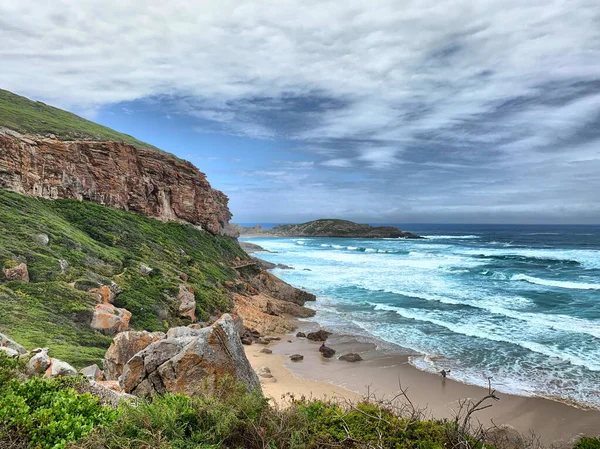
330 227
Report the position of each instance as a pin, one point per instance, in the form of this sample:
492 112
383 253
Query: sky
406 111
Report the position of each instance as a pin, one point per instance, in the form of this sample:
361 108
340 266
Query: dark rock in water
266 351
320 335
282 266
296 357
301 335
352 357
306 269
326 351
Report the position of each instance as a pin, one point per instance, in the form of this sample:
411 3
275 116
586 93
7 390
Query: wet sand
381 372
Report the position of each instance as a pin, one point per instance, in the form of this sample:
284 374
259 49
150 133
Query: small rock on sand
352 357
296 357
320 335
266 351
301 335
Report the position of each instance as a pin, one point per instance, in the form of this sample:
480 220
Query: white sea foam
451 237
559 284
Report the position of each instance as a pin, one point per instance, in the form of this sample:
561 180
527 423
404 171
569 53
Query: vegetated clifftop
95 163
330 228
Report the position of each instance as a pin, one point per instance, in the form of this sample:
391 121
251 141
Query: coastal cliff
116 174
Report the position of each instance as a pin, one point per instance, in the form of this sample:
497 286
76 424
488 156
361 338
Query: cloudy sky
379 111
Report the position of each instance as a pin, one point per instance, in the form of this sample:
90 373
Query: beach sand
380 374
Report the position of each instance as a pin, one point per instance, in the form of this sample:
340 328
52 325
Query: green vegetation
33 117
101 245
45 414
588 443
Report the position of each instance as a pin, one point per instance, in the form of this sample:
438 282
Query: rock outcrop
124 346
41 362
116 174
17 273
6 342
109 319
187 302
189 364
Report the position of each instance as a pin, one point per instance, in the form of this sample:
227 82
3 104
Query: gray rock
58 368
187 302
189 365
10 352
265 351
42 239
296 357
301 335
92 372
145 270
183 331
64 265
6 342
108 396
352 357
40 362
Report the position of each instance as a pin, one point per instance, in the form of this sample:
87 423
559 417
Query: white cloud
417 86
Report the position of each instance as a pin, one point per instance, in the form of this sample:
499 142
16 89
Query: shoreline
380 374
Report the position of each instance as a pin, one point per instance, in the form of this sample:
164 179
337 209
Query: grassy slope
101 244
33 117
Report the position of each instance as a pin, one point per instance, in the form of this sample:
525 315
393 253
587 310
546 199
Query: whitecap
559 284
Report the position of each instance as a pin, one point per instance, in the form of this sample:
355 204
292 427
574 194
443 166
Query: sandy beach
380 374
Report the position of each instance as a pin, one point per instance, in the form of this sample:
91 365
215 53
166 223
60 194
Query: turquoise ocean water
518 303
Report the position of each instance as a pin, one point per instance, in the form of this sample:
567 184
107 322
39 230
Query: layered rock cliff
116 174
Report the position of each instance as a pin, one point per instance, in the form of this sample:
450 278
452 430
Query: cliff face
116 174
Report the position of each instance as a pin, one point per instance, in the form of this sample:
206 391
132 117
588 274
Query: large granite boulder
42 363
17 273
187 302
109 319
190 364
124 346
320 335
6 342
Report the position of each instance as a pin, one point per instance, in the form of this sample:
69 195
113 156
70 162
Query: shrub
588 443
47 414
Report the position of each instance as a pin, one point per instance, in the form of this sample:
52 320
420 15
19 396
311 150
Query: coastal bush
588 443
48 414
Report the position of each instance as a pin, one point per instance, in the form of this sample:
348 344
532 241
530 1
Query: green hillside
101 245
34 117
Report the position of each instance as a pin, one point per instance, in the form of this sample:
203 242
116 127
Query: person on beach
444 373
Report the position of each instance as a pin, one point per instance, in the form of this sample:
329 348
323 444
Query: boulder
301 335
124 346
18 273
272 338
145 270
189 365
246 341
92 372
264 371
109 319
40 362
9 352
6 342
42 239
265 351
320 335
183 331
187 302
352 357
109 396
58 368
296 357
64 265
326 351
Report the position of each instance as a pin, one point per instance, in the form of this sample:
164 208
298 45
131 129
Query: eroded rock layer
116 174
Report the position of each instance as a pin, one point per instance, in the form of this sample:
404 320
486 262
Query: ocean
518 304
